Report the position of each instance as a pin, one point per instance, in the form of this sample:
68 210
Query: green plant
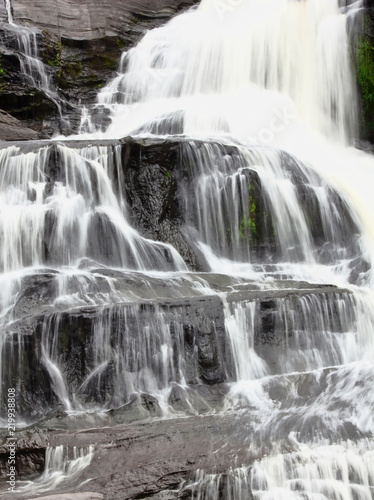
365 73
51 55
2 70
248 226
120 43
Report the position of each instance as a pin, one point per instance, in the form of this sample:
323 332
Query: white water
8 6
33 69
273 73
242 64
250 78
340 472
63 467
70 214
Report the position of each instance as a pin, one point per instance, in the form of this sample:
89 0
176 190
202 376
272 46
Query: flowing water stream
259 97
33 69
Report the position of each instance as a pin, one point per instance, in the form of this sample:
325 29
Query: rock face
12 129
137 454
130 344
101 353
363 44
159 179
89 19
80 44
73 496
200 353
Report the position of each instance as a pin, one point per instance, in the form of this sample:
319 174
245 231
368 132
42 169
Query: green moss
56 57
73 69
365 75
248 226
52 53
2 70
110 64
365 72
120 43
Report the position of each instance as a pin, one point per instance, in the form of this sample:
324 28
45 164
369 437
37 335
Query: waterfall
33 69
344 473
58 218
62 465
210 253
8 6
287 59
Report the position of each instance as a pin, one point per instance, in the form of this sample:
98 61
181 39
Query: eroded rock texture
80 44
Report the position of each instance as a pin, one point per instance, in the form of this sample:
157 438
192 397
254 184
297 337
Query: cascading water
8 6
32 67
246 126
66 213
60 464
246 65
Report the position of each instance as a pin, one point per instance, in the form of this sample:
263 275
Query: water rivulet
203 265
24 41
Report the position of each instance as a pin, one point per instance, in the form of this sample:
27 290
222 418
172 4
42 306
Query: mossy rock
51 53
365 74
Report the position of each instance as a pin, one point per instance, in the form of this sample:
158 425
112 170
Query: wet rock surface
129 378
143 459
73 496
156 177
158 458
80 44
88 19
198 338
12 129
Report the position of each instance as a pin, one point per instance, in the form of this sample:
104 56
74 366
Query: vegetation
248 227
55 56
365 72
365 76
120 43
51 54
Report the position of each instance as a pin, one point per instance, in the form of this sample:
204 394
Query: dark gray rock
199 346
73 496
203 346
30 455
12 129
88 19
152 175
157 178
146 459
80 44
19 97
362 39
